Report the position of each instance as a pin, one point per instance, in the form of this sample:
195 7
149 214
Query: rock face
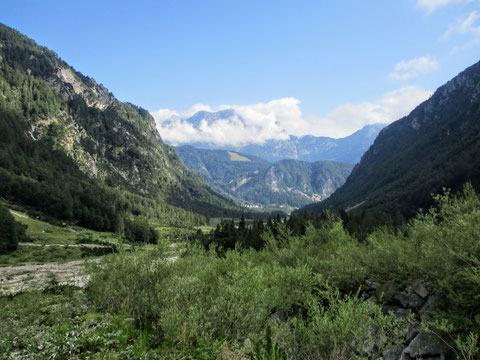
410 301
435 146
295 183
314 148
116 142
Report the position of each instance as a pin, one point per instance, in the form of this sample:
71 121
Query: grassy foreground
302 297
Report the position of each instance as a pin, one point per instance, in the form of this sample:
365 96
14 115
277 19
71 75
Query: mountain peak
210 117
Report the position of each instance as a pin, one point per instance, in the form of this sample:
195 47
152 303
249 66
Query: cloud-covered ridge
280 118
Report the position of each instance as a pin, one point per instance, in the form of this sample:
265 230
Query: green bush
308 289
202 299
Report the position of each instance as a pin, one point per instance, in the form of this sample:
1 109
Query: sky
324 68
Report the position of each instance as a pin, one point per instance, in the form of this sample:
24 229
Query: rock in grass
425 345
411 301
393 353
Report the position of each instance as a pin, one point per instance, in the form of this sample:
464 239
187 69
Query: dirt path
91 246
14 279
19 214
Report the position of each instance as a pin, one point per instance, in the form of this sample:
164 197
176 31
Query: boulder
421 290
429 305
393 353
411 301
425 345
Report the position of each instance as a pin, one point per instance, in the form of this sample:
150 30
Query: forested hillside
71 150
224 170
252 180
435 146
295 183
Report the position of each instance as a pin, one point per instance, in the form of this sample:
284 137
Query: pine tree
10 231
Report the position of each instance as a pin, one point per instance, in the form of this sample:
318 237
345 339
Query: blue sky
329 60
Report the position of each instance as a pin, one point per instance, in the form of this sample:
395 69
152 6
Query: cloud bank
277 119
347 118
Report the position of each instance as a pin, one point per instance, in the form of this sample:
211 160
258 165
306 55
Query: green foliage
300 297
201 298
41 232
11 232
271 350
306 286
439 247
340 327
41 255
59 323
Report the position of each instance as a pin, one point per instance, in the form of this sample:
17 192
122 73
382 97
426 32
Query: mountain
70 149
312 148
294 183
252 180
437 145
307 148
224 170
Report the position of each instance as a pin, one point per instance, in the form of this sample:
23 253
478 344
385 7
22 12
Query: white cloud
282 114
277 119
464 26
249 124
347 118
432 5
163 114
409 69
468 26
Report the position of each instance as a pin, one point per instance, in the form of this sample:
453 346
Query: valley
116 245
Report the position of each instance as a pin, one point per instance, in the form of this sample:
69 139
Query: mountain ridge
257 182
433 147
48 107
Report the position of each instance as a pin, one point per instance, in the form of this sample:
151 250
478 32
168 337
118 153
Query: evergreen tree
11 232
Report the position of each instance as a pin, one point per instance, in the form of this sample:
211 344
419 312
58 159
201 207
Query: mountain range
307 148
314 148
69 149
437 145
251 180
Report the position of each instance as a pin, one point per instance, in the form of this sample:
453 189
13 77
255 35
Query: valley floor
16 279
